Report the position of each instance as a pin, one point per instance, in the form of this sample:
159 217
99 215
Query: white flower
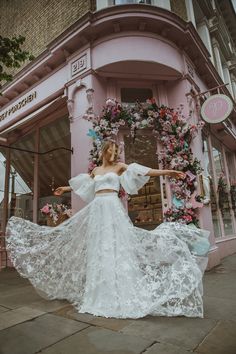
110 102
136 116
144 122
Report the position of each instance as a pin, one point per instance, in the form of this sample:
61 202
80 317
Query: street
30 324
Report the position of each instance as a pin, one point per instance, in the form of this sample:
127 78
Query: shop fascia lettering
18 105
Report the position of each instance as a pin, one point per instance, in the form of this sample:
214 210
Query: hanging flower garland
175 135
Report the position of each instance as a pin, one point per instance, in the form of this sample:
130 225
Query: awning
32 116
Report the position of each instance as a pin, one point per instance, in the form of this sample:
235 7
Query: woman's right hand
60 190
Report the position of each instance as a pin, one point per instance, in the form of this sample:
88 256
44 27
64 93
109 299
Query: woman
104 265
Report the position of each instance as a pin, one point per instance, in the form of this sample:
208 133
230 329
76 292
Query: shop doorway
145 208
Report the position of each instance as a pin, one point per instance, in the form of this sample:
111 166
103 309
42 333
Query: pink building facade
122 52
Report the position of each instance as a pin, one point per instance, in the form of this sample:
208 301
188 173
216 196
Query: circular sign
216 108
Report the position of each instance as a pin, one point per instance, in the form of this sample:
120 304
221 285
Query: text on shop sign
216 108
18 106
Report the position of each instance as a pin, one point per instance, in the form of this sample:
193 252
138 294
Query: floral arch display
174 133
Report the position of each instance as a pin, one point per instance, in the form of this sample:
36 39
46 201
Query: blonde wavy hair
115 150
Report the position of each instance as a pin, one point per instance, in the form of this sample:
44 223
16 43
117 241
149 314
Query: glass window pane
228 225
122 2
131 95
218 161
54 167
22 178
3 153
220 171
214 209
231 167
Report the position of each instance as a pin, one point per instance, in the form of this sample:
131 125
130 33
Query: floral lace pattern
104 265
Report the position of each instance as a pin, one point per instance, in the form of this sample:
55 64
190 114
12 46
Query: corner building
87 51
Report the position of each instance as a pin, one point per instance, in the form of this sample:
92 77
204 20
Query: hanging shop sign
216 108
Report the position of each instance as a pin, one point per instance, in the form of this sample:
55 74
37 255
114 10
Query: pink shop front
47 130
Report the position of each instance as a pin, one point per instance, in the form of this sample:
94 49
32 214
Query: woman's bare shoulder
122 166
92 173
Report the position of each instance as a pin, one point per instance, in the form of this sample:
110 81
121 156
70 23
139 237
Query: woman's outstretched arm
61 190
169 173
156 173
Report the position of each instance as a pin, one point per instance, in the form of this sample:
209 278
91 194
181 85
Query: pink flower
45 209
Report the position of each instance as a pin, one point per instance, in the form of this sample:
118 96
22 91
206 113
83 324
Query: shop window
131 95
21 178
223 189
54 167
122 2
231 163
160 3
2 184
208 171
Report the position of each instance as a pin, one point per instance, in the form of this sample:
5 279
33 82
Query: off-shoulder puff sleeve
134 178
83 185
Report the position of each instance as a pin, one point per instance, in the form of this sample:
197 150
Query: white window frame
101 4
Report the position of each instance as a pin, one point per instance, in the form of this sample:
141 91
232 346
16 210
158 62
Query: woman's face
109 152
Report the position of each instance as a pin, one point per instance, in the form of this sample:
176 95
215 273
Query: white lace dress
104 265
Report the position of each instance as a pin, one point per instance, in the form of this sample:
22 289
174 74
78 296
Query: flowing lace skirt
104 265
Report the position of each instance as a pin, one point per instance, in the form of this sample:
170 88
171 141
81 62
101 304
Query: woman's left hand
176 174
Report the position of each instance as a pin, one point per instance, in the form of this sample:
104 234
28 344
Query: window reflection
226 212
20 201
54 167
2 183
122 2
208 170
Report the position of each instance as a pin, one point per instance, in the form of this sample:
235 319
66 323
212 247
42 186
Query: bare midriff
106 191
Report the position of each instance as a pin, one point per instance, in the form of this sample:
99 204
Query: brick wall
44 20
40 21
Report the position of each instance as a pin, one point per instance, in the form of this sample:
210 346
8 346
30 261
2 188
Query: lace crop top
131 180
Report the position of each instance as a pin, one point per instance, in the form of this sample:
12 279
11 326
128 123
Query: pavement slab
10 277
180 331
219 308
221 340
3 309
48 305
32 336
222 285
11 318
32 324
109 323
100 341
165 348
19 297
220 281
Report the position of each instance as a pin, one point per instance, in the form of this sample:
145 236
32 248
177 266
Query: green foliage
11 56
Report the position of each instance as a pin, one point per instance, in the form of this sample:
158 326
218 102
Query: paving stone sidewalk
30 324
